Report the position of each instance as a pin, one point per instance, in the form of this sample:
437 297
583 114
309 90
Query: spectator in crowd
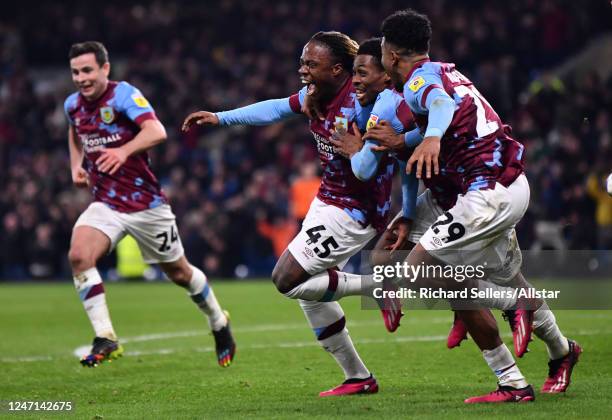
184 57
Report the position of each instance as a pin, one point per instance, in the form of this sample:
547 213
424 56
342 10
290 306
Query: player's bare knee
282 280
80 260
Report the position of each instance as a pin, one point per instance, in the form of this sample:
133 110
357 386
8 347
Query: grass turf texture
279 369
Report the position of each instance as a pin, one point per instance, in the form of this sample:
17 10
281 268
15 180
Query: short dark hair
342 47
95 47
408 30
372 48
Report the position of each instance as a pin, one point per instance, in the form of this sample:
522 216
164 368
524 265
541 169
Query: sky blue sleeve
413 138
441 109
259 113
69 104
384 107
410 188
365 162
419 86
131 101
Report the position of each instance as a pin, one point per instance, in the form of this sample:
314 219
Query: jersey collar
93 104
339 98
415 67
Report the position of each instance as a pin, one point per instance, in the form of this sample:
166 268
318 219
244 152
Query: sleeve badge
372 121
416 84
140 100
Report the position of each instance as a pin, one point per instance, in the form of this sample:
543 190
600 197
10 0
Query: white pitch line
271 327
26 359
267 327
314 343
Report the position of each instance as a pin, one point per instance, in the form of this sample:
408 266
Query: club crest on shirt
372 121
107 114
140 100
341 122
416 84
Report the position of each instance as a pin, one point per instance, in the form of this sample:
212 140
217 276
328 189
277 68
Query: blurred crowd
239 193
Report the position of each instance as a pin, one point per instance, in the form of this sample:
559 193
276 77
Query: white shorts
478 229
329 237
155 230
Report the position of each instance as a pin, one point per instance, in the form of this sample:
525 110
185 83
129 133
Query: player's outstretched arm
204 118
259 113
152 133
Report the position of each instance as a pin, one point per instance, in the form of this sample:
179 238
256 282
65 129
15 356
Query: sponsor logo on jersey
107 114
372 121
93 143
416 84
323 145
140 100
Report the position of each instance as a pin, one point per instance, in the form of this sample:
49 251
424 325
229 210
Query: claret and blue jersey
366 202
111 121
476 149
391 107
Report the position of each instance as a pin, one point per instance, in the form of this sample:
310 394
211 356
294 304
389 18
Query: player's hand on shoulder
111 160
386 137
200 118
80 178
426 157
346 144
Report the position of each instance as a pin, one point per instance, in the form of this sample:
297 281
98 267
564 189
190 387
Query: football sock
203 296
332 285
545 328
91 291
502 364
329 325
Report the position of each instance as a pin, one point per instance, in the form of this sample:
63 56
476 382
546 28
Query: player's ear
395 57
106 68
337 69
387 79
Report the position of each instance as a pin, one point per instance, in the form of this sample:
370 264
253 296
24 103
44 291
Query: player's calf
195 281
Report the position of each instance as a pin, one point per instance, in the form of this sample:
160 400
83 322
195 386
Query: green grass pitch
170 371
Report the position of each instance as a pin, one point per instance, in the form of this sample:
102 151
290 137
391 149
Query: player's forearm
75 150
410 188
413 138
365 162
441 109
76 158
260 113
151 134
